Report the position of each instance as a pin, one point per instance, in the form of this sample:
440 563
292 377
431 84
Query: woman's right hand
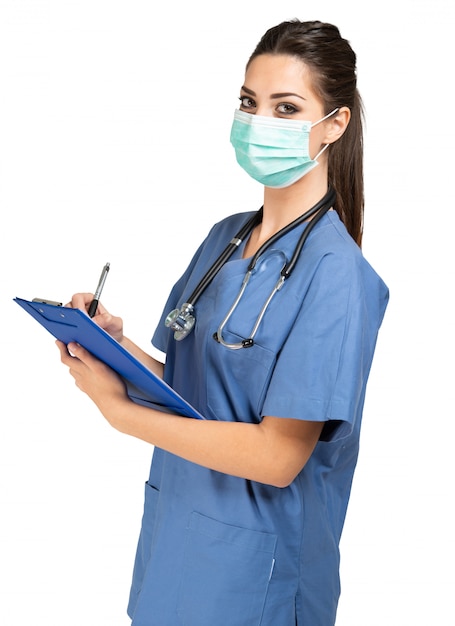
111 324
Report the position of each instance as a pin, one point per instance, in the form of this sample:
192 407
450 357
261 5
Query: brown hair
332 63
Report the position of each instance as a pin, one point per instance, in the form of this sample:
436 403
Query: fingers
64 354
110 323
91 375
80 301
72 356
72 352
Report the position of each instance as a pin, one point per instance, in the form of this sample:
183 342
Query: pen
94 303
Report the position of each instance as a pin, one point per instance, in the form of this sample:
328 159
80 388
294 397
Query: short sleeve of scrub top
325 360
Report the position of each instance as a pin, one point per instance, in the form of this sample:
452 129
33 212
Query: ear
337 124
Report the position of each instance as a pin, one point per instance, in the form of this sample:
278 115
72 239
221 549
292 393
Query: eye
286 109
246 103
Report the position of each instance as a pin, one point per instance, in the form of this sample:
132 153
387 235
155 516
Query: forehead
279 73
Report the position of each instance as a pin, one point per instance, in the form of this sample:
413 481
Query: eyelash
250 104
249 100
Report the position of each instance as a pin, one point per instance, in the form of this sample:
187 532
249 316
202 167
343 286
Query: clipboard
143 386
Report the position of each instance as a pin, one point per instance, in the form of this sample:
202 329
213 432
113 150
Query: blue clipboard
143 386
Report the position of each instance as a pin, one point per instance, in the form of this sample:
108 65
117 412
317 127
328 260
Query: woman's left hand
93 377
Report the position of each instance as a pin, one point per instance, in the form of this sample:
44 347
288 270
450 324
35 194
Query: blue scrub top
217 550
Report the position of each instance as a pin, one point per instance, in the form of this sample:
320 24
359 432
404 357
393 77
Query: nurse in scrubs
244 509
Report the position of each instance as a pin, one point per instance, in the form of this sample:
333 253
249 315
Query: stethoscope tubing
322 207
182 320
246 343
318 211
224 256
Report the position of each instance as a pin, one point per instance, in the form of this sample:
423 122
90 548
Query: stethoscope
182 320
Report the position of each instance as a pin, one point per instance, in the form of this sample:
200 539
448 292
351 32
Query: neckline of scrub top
285 239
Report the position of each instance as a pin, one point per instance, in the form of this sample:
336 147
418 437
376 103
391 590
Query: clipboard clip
43 301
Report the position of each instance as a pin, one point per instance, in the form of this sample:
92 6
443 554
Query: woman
244 510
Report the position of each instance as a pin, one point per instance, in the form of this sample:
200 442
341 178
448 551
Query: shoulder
330 236
332 240
337 260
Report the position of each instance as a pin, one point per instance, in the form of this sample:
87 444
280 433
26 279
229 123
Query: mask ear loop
323 149
325 146
325 117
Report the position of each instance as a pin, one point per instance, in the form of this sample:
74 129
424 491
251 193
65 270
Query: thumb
76 350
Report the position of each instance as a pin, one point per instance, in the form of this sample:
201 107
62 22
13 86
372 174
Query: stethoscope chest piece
181 321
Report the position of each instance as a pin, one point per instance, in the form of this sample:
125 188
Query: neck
283 206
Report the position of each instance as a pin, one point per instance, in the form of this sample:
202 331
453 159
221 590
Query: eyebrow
274 95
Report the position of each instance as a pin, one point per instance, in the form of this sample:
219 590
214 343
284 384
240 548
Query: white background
114 146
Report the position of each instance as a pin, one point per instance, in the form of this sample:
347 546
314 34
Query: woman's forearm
280 446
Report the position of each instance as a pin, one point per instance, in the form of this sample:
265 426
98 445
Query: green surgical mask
274 151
